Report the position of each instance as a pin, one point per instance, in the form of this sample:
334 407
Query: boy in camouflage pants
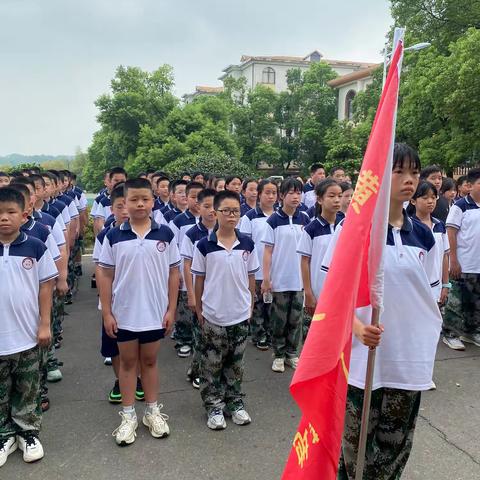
224 265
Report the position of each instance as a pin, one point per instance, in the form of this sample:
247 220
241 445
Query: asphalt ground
77 429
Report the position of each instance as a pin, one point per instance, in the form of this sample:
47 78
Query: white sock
130 411
149 407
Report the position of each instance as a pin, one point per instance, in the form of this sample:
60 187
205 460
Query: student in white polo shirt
406 340
224 265
200 230
179 225
282 275
462 313
317 173
138 285
26 266
253 224
315 239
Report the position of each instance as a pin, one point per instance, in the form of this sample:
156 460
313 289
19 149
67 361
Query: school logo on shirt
245 255
421 255
27 263
161 246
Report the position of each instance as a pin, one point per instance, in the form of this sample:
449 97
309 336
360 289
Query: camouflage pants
19 392
260 323
462 312
393 416
197 347
286 322
222 365
184 321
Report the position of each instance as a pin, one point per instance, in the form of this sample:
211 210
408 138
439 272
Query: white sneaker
184 351
6 448
241 417
278 365
31 447
292 362
125 434
54 375
453 342
473 338
216 420
107 361
196 383
156 422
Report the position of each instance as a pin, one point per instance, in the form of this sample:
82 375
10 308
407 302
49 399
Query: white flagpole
378 237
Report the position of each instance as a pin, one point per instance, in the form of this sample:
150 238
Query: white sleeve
327 259
199 266
305 245
58 235
52 247
106 258
253 263
175 231
446 243
61 223
66 215
100 212
72 210
94 209
186 248
246 225
268 235
158 217
173 255
455 216
82 202
46 267
97 250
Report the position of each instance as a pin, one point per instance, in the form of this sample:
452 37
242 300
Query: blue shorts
109 345
148 336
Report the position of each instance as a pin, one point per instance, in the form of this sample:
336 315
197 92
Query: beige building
201 90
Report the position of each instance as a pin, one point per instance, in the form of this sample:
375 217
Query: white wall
357 86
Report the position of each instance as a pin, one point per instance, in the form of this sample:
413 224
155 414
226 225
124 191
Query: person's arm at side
45 308
199 286
98 223
188 277
251 286
62 266
105 278
173 284
310 300
267 264
455 268
445 279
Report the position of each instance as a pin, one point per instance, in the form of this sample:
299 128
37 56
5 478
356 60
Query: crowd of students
212 261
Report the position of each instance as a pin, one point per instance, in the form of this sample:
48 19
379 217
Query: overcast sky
58 56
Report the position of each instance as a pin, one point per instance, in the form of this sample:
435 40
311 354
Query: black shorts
148 336
109 346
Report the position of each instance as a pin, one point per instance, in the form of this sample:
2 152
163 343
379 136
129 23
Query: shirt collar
28 225
126 225
259 211
37 214
284 215
407 225
213 235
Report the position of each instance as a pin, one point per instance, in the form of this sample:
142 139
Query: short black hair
51 176
38 178
206 193
142 174
447 184
315 166
196 174
461 180
117 192
345 186
194 186
173 186
230 179
11 195
150 171
4 174
247 181
336 168
404 154
423 188
224 195
117 170
137 183
427 171
290 183
24 181
263 183
21 188
473 175
161 178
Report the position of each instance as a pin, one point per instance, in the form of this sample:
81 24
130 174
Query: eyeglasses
228 212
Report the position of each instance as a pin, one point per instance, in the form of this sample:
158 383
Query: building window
268 76
349 104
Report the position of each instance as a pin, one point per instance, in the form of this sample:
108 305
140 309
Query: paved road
77 429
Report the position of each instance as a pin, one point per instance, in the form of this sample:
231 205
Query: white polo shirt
42 233
464 215
226 298
313 243
192 236
412 320
310 198
104 208
53 226
24 265
253 224
142 269
283 233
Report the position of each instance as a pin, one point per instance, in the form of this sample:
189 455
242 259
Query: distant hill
16 159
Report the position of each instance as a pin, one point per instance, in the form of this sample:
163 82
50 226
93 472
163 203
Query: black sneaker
115 396
139 393
262 344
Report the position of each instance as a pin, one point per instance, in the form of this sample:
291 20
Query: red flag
319 385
